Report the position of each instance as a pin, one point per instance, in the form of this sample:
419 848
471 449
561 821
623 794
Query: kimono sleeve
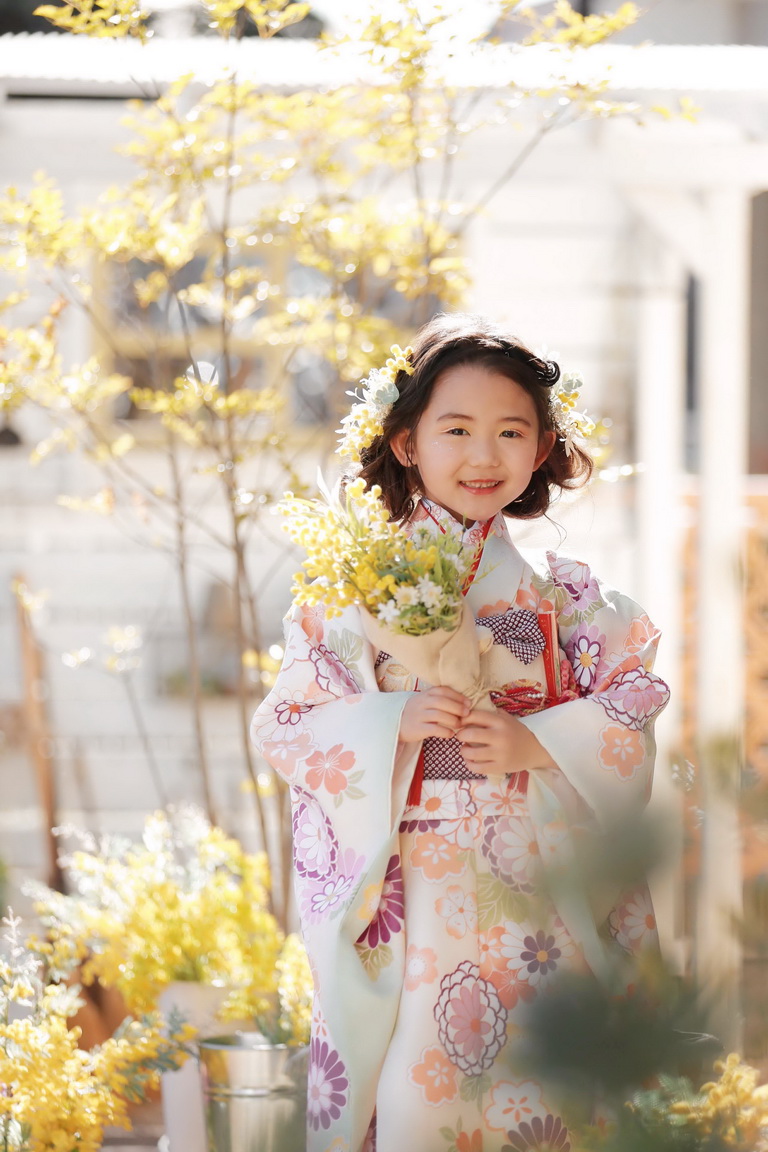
334 737
603 740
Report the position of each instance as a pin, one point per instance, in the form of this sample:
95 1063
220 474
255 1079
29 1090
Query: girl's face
477 443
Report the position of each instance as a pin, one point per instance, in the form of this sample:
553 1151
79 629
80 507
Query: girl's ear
546 444
399 446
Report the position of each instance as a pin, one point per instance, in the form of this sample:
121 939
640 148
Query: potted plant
180 921
54 1095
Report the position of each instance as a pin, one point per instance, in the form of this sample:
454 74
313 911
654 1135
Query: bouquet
409 587
54 1095
186 903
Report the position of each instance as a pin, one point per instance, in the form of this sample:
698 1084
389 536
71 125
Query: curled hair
449 340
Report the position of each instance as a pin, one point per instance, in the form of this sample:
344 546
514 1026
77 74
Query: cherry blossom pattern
464 830
435 1076
633 923
539 1135
329 769
634 697
420 967
512 1103
287 752
315 848
435 857
585 649
502 797
471 1019
621 750
459 910
510 847
331 673
390 913
327 1085
577 580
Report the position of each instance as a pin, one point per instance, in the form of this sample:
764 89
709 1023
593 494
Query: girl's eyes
509 433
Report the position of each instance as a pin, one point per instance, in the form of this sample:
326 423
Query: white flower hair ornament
568 423
365 420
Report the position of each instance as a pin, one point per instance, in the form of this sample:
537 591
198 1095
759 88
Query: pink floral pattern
329 769
634 697
471 1019
439 913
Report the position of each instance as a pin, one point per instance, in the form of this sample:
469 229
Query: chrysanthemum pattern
634 697
539 1135
315 847
471 1019
327 1085
457 935
391 910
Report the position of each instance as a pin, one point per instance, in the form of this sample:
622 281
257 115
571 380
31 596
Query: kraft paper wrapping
446 658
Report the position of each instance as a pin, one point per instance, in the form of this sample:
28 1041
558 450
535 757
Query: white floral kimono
431 909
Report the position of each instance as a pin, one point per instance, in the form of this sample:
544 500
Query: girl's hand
495 743
437 712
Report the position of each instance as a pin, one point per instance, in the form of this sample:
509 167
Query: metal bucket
255 1094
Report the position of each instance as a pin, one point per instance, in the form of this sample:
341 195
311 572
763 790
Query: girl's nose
484 450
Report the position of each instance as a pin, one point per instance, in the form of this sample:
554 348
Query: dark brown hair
445 342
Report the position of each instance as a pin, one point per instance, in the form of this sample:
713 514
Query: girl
429 837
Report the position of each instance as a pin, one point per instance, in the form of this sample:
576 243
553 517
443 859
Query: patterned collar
427 511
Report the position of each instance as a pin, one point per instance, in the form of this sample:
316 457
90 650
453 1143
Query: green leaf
497 901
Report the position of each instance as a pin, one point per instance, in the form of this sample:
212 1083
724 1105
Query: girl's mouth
480 485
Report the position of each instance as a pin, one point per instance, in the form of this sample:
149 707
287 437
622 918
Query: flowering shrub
186 903
357 555
730 1112
53 1095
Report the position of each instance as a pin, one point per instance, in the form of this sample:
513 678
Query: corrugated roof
40 64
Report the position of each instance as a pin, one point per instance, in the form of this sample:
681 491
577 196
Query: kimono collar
428 513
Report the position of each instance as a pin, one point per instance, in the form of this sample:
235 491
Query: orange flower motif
491 959
497 609
435 1075
467 1143
527 598
328 769
435 856
420 967
312 617
286 754
621 750
641 633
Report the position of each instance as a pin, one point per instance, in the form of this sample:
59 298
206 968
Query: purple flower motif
576 578
471 1019
537 1135
315 848
417 825
634 697
585 649
331 673
327 1085
391 910
540 955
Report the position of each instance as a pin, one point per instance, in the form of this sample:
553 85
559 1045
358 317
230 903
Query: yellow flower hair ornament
365 420
568 423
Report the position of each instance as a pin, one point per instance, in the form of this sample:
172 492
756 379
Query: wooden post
38 732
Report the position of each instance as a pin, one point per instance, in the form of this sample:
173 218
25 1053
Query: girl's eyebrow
502 419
